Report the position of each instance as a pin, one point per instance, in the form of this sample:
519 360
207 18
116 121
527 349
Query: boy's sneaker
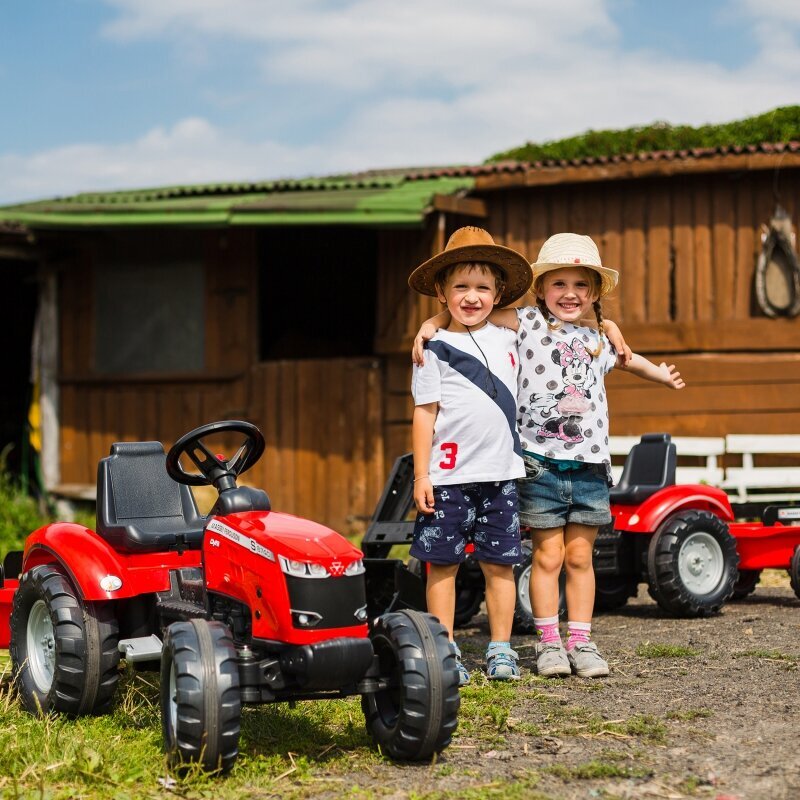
501 663
551 660
586 662
463 672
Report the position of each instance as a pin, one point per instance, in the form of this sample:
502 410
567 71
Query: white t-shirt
562 406
475 435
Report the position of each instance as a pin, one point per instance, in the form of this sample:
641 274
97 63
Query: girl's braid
553 326
598 312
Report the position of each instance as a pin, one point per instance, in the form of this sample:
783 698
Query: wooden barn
286 304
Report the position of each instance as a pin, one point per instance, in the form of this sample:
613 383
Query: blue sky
104 94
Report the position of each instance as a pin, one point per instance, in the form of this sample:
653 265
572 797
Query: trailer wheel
63 651
746 583
523 611
200 700
794 571
415 714
692 564
612 591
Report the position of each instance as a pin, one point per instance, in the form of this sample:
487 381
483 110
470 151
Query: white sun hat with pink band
574 250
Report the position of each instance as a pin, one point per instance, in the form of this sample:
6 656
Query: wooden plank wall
96 411
323 422
322 419
686 248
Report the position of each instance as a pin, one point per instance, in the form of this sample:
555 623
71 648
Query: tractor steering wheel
214 469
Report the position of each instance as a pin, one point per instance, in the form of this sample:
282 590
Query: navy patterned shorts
485 514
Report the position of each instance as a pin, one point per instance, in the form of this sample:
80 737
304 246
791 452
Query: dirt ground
693 708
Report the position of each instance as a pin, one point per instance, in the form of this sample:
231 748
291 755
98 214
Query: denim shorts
550 498
485 514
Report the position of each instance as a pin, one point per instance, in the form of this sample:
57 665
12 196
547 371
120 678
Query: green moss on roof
779 125
386 200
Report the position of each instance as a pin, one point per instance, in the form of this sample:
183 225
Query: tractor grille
330 602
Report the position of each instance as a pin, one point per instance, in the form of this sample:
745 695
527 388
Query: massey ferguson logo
336 569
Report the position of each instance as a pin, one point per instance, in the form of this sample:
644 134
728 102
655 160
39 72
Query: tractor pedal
141 648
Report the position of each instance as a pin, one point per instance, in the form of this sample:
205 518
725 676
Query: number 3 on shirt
450 451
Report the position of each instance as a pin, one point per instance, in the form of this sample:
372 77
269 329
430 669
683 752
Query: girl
563 423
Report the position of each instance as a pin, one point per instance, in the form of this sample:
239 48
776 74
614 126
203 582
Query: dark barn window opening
316 292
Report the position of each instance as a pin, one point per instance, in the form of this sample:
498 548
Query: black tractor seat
140 509
649 467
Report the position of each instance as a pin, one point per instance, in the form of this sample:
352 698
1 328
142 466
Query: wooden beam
453 204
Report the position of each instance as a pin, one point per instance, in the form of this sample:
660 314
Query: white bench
748 483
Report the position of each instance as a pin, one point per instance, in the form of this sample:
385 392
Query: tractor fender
88 559
647 517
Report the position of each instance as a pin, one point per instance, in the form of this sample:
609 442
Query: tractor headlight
355 568
317 571
300 569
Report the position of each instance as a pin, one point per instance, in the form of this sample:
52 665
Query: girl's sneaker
501 663
463 673
552 660
586 662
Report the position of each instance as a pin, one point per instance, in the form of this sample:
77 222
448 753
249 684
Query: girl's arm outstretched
661 373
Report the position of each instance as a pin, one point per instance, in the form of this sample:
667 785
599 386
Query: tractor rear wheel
794 571
63 650
613 591
414 716
692 564
200 700
746 583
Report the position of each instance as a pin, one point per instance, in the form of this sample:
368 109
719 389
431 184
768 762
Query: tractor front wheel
414 715
692 564
200 699
63 650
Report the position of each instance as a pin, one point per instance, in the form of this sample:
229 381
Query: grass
770 655
315 749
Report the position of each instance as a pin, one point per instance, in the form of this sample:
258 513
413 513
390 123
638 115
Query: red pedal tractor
244 606
682 540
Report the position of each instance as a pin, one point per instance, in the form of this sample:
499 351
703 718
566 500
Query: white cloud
420 83
192 151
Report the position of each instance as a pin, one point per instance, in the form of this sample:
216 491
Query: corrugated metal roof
389 198
374 197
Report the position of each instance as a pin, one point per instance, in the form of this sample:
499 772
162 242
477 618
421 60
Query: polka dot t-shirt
562 411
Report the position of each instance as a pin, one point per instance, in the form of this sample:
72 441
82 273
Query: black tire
201 706
523 612
794 571
692 564
415 716
63 651
613 591
746 583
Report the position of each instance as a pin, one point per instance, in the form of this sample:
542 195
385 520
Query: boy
467 453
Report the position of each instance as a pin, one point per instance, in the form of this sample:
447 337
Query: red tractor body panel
88 559
761 547
646 517
242 555
6 600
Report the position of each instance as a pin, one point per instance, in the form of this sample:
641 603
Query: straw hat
574 250
475 244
